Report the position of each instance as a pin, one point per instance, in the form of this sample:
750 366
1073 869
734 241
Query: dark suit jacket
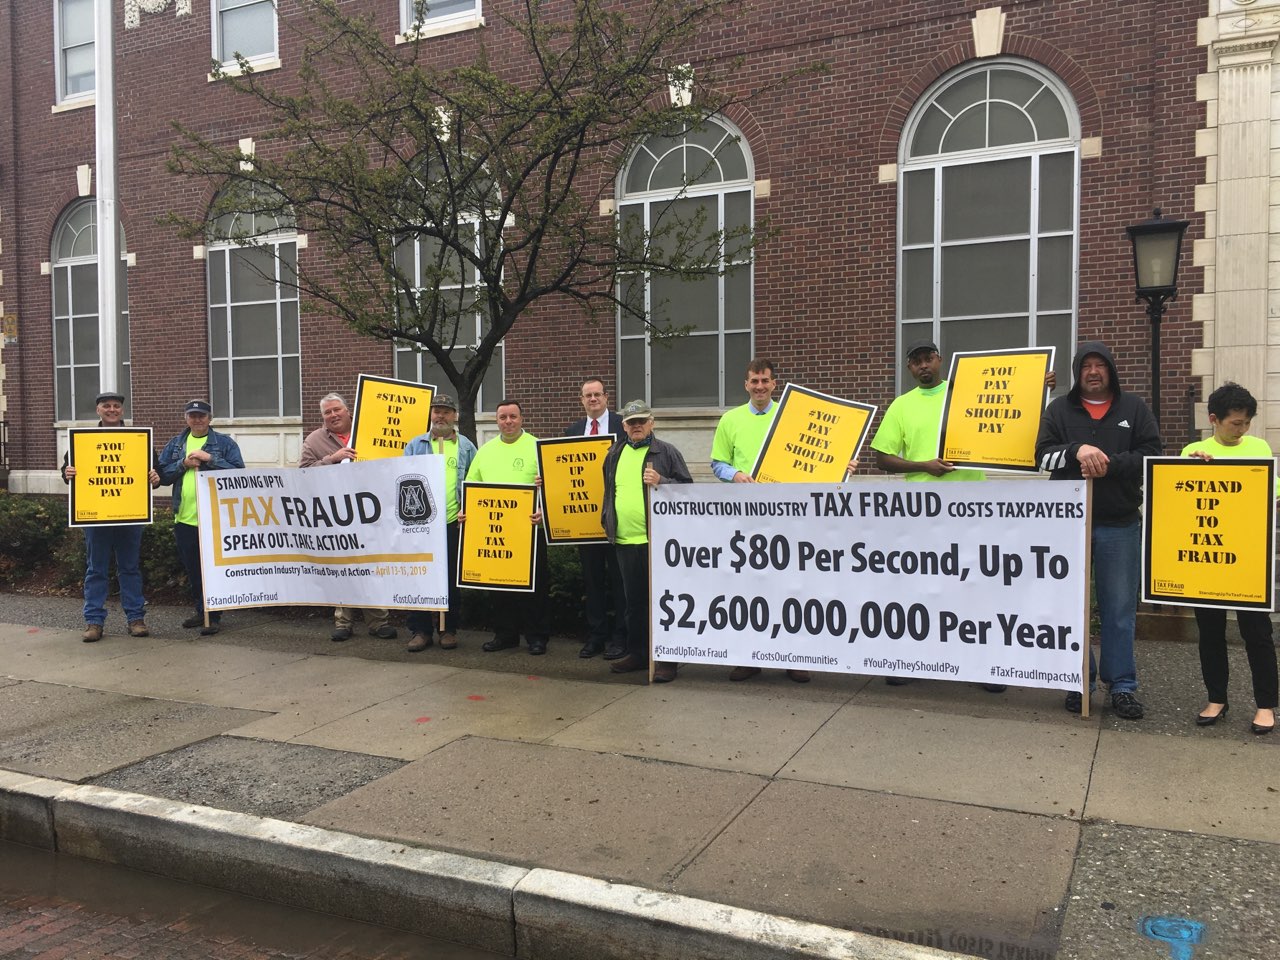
615 427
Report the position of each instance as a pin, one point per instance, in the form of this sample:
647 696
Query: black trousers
602 581
515 612
1255 628
187 539
633 562
425 621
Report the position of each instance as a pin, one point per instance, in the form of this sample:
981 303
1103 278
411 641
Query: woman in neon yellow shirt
1231 410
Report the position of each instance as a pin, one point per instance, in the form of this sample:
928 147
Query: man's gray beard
440 432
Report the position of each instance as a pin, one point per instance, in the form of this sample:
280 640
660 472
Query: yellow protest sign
992 411
812 438
1209 533
497 542
110 486
388 414
572 471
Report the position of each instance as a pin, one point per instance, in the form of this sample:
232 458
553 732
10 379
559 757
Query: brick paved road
56 908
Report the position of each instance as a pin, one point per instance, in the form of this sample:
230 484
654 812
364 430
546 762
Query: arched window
700 176
988 214
458 229
254 356
75 314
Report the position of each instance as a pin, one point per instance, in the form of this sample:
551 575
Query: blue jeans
100 543
1117 554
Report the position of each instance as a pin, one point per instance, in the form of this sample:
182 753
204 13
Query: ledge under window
232 69
429 29
77 104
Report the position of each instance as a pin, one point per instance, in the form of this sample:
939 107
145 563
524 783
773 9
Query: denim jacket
466 452
223 451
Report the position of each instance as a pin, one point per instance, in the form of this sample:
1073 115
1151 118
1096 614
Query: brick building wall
825 286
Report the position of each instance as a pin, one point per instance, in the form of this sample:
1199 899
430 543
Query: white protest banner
977 581
367 534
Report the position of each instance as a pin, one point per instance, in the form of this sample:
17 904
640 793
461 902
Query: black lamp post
1157 247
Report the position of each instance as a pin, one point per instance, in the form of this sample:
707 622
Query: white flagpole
108 222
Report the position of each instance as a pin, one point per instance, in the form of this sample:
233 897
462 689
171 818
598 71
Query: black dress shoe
195 620
589 650
537 648
614 653
1203 721
1259 728
500 643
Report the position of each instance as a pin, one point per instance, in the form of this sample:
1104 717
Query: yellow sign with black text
387 415
497 542
572 471
110 486
1209 533
812 438
993 407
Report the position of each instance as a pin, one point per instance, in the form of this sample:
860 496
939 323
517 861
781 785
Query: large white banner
980 581
361 534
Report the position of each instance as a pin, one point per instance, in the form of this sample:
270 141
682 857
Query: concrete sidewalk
607 811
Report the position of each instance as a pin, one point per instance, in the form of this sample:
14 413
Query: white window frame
60 269
421 358
1034 151
432 26
728 380
258 61
84 97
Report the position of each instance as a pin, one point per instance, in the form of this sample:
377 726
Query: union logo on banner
414 501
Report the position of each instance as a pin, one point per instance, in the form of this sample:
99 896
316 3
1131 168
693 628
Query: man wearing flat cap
444 440
124 541
196 449
324 446
631 468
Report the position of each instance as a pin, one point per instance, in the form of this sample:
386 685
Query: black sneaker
195 620
1126 706
1074 702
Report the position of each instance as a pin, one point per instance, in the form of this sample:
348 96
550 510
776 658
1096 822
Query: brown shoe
138 628
799 676
418 643
743 673
92 633
448 641
664 672
627 664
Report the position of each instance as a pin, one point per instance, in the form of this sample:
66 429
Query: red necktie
595 428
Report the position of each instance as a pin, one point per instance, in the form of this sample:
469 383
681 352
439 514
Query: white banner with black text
981 581
361 534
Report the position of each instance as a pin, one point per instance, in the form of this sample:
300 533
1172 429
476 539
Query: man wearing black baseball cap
125 541
195 449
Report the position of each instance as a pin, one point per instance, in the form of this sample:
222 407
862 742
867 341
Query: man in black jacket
601 578
631 467
1098 432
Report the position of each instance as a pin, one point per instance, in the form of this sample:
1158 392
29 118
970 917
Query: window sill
78 104
232 69
428 30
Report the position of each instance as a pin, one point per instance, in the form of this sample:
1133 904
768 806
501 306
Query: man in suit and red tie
601 577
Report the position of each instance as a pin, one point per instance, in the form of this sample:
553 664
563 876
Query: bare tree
451 199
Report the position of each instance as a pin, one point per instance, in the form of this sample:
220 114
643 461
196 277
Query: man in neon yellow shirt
512 457
907 441
631 468
741 431
739 436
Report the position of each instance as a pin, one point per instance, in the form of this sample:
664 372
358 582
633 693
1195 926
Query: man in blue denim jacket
458 451
195 449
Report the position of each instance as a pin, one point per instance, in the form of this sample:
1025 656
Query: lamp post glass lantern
1157 248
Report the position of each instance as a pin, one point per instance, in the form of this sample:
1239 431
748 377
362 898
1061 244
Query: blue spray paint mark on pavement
1180 933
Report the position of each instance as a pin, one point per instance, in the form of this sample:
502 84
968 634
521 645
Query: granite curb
531 913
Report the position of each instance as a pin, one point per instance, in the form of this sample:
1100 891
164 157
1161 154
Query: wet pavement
59 907
937 814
